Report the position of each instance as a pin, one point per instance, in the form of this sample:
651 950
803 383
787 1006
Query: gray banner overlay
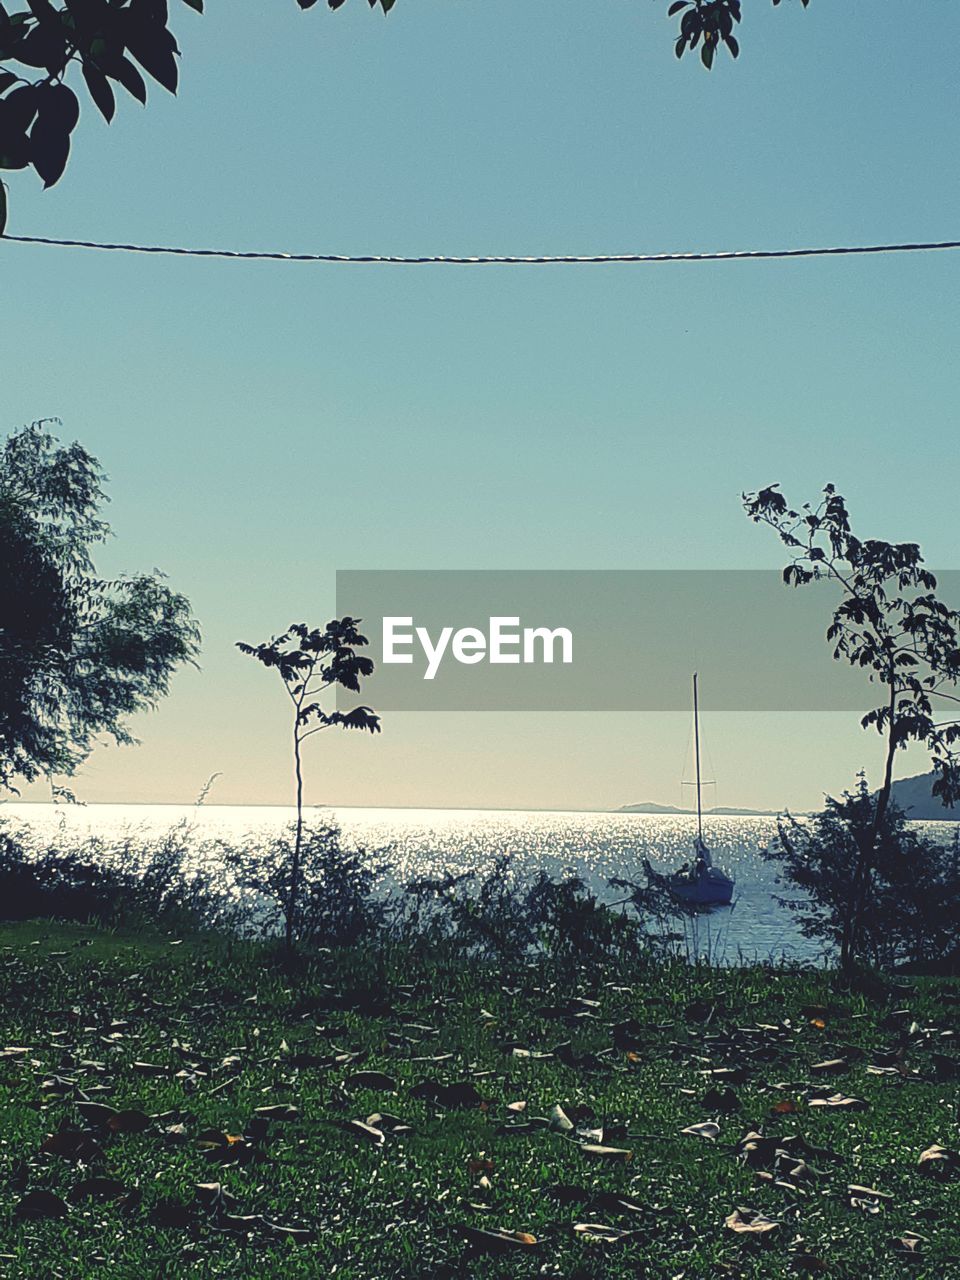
619 640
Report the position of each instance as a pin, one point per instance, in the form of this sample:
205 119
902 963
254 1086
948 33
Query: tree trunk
867 852
297 846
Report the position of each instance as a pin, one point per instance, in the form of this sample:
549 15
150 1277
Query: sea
595 846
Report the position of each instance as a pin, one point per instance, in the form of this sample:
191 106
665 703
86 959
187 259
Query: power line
486 260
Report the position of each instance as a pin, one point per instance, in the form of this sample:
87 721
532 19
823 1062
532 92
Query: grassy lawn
190 1109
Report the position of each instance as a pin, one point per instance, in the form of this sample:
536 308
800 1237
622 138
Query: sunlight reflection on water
430 841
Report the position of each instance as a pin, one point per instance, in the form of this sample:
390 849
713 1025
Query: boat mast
696 739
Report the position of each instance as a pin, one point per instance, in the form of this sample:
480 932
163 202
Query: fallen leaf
498 1241
387 1123
909 1245
600 1152
452 1096
279 1113
867 1193
371 1080
600 1233
831 1066
131 1121
709 1130
96 1113
939 1161
560 1122
104 1189
750 1222
360 1129
809 1264
840 1102
300 1235
41 1204
72 1144
172 1213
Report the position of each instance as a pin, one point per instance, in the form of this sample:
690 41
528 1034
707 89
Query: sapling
312 663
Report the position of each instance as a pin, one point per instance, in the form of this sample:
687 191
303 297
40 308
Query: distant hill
915 797
718 811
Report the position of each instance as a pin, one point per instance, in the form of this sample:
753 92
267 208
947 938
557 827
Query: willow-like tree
79 654
313 663
108 45
891 624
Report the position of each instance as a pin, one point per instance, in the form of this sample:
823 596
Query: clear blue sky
264 424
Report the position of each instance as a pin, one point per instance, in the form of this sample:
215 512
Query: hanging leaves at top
108 43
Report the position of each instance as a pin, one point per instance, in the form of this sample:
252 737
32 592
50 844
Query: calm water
421 841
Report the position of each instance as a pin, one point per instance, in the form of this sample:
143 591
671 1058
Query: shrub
125 883
912 882
499 916
336 900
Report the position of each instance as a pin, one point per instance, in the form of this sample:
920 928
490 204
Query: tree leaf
100 90
124 72
57 114
20 107
154 48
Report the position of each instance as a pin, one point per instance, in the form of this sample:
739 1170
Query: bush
160 884
336 898
499 916
912 899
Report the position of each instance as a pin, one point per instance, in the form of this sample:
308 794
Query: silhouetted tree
890 624
913 902
111 42
312 663
78 654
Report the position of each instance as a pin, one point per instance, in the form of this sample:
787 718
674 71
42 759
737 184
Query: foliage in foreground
107 45
169 1109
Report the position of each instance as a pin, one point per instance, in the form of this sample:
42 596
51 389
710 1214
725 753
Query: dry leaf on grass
750 1222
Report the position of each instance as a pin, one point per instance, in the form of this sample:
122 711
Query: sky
263 425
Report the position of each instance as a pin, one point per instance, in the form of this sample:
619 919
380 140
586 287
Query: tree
312 663
889 623
109 43
78 655
914 895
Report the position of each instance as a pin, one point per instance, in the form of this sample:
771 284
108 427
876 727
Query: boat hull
714 890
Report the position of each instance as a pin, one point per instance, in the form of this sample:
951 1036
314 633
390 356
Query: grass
143 1067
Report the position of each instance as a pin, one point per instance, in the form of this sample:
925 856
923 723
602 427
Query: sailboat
702 884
